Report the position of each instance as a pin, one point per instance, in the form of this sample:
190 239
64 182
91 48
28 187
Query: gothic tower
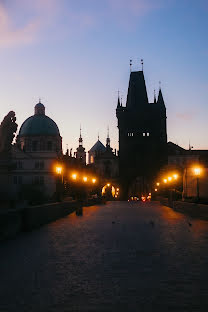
142 135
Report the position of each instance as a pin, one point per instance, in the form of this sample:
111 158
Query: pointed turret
137 93
155 101
118 103
160 98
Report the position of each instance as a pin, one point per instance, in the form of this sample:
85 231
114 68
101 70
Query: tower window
144 133
147 133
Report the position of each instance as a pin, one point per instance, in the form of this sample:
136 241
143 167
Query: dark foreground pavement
118 257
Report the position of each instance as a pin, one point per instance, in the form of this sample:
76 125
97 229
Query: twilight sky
74 55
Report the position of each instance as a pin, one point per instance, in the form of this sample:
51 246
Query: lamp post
59 172
197 172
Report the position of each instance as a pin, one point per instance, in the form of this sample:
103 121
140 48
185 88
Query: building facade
36 152
142 135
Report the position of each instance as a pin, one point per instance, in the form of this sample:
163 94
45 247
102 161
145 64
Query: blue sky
74 55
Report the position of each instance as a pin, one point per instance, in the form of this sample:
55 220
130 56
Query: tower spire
108 138
118 103
80 136
155 97
130 65
160 99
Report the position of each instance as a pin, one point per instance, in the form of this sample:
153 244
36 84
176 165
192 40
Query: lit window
144 133
147 133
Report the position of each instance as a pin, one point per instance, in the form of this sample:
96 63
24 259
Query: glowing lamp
85 179
93 180
175 176
197 171
58 170
74 176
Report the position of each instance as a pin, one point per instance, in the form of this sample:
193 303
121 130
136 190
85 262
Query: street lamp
197 172
74 176
59 183
165 180
175 176
93 180
58 169
85 179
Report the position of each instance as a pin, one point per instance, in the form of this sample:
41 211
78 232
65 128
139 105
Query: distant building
142 136
104 160
37 149
184 161
97 149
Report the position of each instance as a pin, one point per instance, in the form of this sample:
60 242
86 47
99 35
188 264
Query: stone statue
8 128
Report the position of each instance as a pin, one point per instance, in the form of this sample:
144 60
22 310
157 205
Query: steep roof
98 147
137 93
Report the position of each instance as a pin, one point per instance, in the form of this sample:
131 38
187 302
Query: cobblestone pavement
116 257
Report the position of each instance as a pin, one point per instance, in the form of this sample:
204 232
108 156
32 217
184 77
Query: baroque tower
80 153
142 135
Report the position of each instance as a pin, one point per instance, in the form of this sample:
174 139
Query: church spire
80 137
108 138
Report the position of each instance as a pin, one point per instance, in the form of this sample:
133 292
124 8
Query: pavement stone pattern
115 257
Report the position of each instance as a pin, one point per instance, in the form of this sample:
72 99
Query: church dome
39 124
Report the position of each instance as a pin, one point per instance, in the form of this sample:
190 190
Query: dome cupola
39 109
